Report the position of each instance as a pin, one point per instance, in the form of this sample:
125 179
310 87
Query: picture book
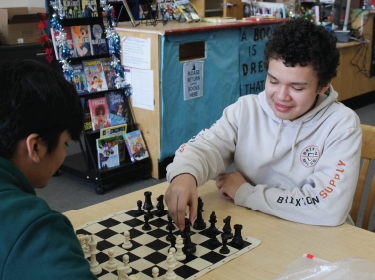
136 145
98 40
128 148
109 73
69 42
82 40
99 113
87 116
79 78
94 75
119 110
188 10
116 130
108 152
166 8
89 9
71 8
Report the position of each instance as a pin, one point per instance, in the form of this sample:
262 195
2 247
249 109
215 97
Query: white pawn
111 262
81 239
121 274
94 264
125 259
87 248
179 245
127 244
173 251
155 273
134 277
170 275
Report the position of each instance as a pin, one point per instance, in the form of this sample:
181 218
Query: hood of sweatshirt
311 118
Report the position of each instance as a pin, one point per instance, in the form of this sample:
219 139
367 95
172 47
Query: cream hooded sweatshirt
304 170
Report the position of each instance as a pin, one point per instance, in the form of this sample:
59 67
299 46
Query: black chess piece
224 249
227 229
160 206
139 211
212 230
148 204
146 225
170 225
173 241
189 246
170 234
199 222
214 241
237 241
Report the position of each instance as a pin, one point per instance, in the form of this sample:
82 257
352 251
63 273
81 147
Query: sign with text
253 41
193 79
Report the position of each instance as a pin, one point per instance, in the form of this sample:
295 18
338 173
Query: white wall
21 3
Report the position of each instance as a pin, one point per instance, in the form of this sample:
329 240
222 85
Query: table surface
282 241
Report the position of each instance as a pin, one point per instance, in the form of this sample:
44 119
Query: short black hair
301 42
36 99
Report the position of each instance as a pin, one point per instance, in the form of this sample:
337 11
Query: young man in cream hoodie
295 148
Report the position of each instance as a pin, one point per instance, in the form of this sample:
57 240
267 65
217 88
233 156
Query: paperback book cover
128 148
188 10
166 9
79 78
89 9
119 109
109 73
99 113
116 130
98 40
82 40
71 8
69 42
136 145
108 152
94 75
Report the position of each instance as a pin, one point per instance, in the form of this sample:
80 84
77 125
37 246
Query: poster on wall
193 79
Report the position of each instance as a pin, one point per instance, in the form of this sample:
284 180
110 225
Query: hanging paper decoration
44 39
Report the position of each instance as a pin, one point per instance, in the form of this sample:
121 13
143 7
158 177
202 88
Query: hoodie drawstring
277 138
294 144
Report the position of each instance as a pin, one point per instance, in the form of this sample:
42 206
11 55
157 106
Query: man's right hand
182 192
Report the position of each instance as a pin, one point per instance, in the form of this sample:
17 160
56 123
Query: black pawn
212 230
146 225
173 241
224 249
160 206
139 211
214 241
148 204
170 234
189 247
170 225
199 222
237 241
227 229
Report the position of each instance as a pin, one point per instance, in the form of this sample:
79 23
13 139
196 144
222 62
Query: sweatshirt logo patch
310 156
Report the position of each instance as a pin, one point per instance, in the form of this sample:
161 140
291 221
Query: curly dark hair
301 42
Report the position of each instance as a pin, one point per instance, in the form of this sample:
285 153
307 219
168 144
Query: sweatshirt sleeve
211 151
327 194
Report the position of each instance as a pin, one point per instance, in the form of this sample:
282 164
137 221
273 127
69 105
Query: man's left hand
229 183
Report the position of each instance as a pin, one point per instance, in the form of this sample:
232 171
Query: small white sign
20 40
193 79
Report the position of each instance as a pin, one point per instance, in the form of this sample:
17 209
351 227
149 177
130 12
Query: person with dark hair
40 112
295 148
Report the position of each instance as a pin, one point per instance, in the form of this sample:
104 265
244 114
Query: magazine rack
85 163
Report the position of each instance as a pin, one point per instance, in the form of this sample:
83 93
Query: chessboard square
118 251
133 213
165 250
106 233
117 239
133 222
135 245
145 231
199 264
122 217
148 272
157 245
142 251
118 263
109 223
94 228
120 228
102 257
232 250
158 233
141 264
189 258
82 231
185 271
103 273
205 232
213 257
155 257
158 222
245 244
103 245
132 257
144 239
207 244
198 239
143 276
108 276
200 251
178 232
135 233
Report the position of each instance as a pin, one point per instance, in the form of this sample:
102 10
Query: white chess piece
127 244
94 264
173 251
170 274
121 274
134 277
87 248
155 273
111 262
125 259
179 245
81 239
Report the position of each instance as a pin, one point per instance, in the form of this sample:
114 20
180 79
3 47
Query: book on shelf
166 9
135 145
94 75
219 19
116 130
108 152
188 10
98 40
72 9
109 72
89 9
69 42
119 110
79 78
99 113
82 40
87 116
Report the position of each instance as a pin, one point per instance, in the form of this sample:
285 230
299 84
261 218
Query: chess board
150 248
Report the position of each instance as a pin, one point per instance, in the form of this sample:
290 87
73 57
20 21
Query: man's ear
324 89
36 147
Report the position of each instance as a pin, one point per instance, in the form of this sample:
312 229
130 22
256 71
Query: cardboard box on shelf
18 26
